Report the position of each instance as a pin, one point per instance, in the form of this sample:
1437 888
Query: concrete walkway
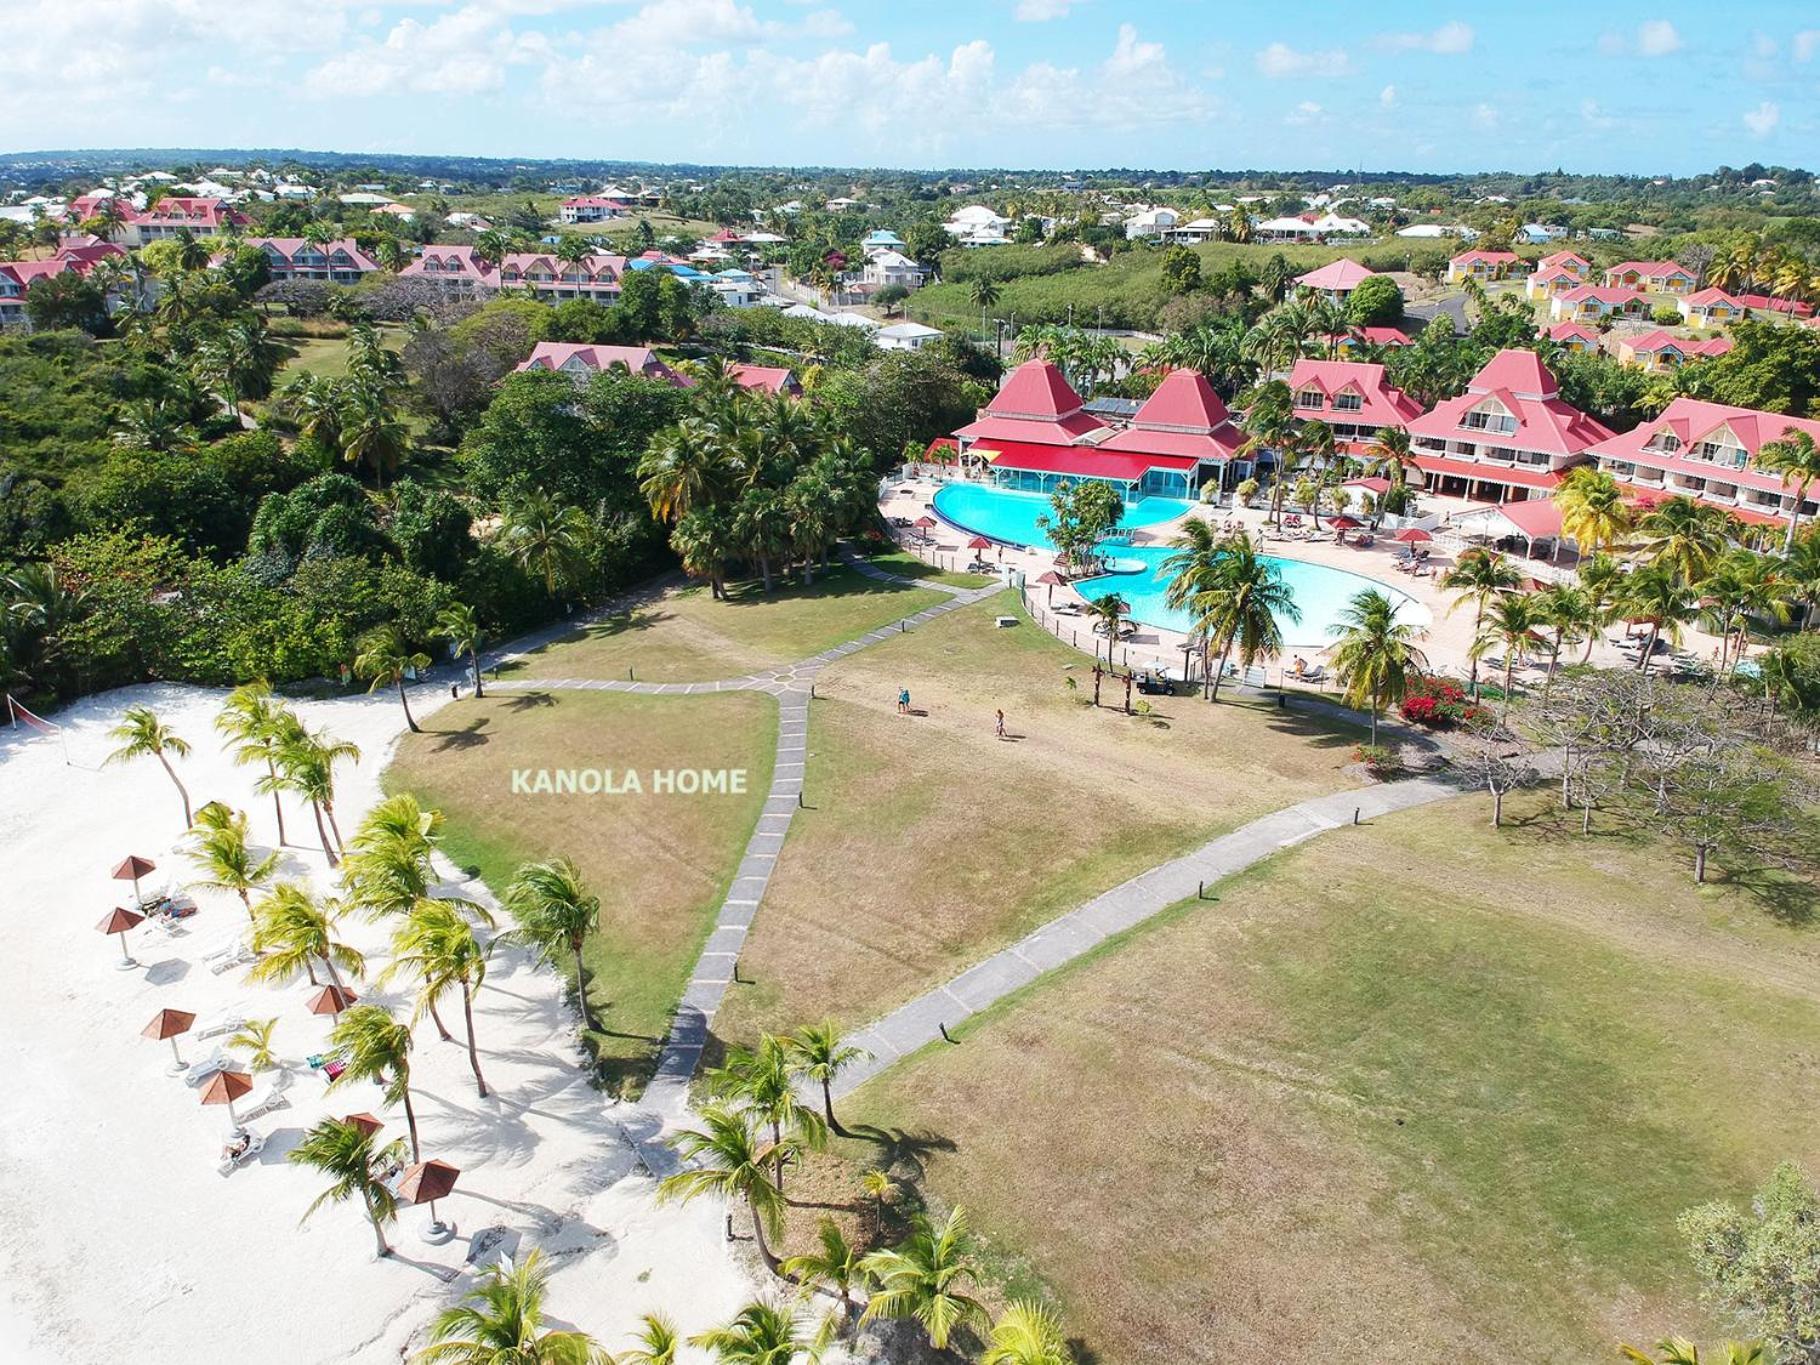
915 1025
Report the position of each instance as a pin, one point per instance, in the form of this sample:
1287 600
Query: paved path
915 1025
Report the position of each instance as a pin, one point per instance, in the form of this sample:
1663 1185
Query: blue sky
1657 87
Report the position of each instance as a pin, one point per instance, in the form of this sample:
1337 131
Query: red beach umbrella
1049 579
1412 535
366 1123
425 1183
332 1000
979 543
225 1087
131 869
119 921
1344 522
168 1024
924 523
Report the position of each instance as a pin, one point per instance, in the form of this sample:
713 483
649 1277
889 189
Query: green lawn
907 565
1414 1091
684 635
660 863
927 843
327 357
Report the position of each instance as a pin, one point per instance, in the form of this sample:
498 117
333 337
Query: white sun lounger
255 1145
208 1066
231 1024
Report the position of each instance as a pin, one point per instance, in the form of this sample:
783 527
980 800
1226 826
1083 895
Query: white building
977 225
905 336
885 268
1151 222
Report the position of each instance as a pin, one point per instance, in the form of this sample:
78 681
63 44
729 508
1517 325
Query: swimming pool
1002 514
1321 592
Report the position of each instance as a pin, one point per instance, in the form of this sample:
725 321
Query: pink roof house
1591 302
1335 280
1662 277
1711 308
1707 451
1484 265
581 361
1352 396
1036 405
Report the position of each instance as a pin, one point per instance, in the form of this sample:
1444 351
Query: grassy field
659 863
326 357
906 565
928 843
1419 1090
684 635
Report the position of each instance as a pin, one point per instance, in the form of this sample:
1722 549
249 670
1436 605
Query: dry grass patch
659 863
681 634
1414 1091
928 843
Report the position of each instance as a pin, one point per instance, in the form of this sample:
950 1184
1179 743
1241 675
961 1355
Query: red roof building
1356 399
1571 261
1036 406
1707 451
174 215
78 256
1590 302
1336 279
581 362
1573 336
771 379
1183 418
343 261
591 208
1664 277
1509 435
460 273
1484 265
1549 280
1712 308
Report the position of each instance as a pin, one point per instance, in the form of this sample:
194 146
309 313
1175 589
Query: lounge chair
199 1072
230 1024
236 955
232 1159
1311 675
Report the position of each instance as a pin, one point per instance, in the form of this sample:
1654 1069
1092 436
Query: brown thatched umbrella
366 1123
332 1000
168 1024
225 1087
131 869
425 1183
119 921
1050 578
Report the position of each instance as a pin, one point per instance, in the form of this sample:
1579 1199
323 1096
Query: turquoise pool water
1322 594
1001 514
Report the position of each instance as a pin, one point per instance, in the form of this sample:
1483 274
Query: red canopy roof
1514 475
1084 461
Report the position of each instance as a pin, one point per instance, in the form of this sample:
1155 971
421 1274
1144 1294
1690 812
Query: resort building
1711 308
74 255
905 336
173 215
1571 261
1707 451
771 379
590 208
1659 351
1356 399
977 225
1573 336
1484 266
462 274
1660 277
582 362
1335 280
1591 302
1182 420
1157 222
1355 338
1546 282
886 268
1508 437
342 261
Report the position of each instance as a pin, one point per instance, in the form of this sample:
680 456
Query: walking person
1001 724
903 701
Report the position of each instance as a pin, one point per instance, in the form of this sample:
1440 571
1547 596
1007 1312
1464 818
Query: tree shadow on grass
470 736
899 1149
531 701
1787 898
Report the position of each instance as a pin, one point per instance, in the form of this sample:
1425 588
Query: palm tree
1027 1334
254 1038
819 1054
387 660
500 1322
984 292
833 1267
249 718
1244 606
1375 656
658 1342
306 765
390 868
1602 580
1390 450
925 1279
730 1163
684 467
358 1168
1742 584
764 1081
1681 1351
1510 625
292 933
1478 576
224 858
762 1334
547 539
1685 535
1108 614
1593 510
141 735
1655 593
376 1047
459 624
437 946
1270 424
1795 456
1568 612
372 432
555 912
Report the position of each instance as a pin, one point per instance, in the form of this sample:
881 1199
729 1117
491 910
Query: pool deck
1447 642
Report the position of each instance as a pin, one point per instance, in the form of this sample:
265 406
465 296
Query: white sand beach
119 1239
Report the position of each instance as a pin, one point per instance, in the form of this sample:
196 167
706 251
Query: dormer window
1666 441
1310 398
1348 402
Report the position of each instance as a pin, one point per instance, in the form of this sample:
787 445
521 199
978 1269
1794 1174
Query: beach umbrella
1412 535
332 1000
425 1183
925 524
1344 523
225 1087
979 543
168 1024
118 922
366 1123
1049 579
131 869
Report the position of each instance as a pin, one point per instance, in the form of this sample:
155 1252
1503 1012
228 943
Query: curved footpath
921 1021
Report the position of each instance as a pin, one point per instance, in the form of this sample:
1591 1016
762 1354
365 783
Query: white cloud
1041 11
1451 39
1279 60
1762 46
1763 119
1806 44
462 53
1484 116
1657 38
1387 97
1304 113
1595 117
